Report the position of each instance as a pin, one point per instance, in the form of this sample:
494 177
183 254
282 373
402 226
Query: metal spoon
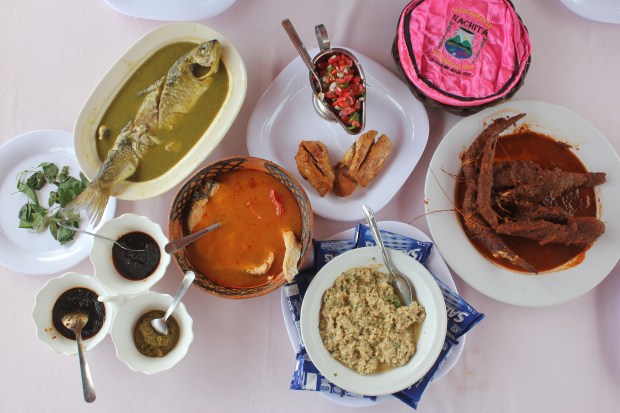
177 244
301 49
75 321
161 324
403 288
98 236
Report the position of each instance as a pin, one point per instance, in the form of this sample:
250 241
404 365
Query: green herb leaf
64 173
34 216
50 170
31 215
68 190
394 300
28 191
36 180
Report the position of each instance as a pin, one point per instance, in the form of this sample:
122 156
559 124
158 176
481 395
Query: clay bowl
184 199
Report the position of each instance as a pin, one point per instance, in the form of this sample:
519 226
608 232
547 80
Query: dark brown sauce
79 298
525 145
136 265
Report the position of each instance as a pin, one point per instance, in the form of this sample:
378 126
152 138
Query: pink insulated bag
462 55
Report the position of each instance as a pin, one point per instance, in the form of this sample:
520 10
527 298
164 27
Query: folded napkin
461 316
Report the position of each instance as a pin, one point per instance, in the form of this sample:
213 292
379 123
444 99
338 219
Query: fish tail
93 199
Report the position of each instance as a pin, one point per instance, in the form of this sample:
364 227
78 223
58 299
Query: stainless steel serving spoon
75 321
177 244
303 52
161 324
403 288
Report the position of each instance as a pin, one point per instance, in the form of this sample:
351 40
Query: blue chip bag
308 377
324 251
419 250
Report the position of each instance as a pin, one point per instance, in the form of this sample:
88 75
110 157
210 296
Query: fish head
205 60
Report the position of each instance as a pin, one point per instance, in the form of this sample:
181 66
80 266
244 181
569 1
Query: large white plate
435 264
494 281
285 116
607 11
94 108
24 250
177 10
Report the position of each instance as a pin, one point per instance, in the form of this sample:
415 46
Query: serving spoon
75 321
303 52
161 324
403 288
177 244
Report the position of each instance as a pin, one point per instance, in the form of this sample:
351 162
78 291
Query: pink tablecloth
564 358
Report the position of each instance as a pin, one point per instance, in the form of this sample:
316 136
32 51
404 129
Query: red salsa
343 88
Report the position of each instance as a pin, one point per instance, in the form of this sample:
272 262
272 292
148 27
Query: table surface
564 358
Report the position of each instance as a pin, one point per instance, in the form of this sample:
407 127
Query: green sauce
189 127
149 342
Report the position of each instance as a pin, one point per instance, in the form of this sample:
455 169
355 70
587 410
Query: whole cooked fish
173 94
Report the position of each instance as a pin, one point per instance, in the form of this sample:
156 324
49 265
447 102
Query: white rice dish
363 324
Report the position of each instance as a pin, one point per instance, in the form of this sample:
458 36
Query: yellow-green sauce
189 127
149 342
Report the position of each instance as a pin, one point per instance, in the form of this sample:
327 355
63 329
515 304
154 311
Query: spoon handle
177 244
72 228
87 381
187 281
374 227
301 49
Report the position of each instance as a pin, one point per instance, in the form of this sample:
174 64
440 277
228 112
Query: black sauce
136 265
79 298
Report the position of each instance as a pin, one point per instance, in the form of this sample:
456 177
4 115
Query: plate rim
152 12
589 10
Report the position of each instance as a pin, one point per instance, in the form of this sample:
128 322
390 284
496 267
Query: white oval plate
435 264
24 250
606 11
428 347
177 10
285 116
96 105
492 280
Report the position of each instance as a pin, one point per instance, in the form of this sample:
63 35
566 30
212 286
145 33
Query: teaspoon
177 244
161 324
72 228
75 321
403 288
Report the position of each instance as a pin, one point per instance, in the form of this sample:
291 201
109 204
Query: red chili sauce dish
526 202
343 88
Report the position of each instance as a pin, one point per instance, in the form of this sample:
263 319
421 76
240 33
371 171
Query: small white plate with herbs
41 165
